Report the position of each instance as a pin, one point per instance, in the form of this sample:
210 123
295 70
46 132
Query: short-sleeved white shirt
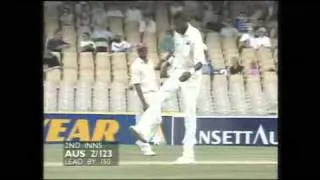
144 74
189 49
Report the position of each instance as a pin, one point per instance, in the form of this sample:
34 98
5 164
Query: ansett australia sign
260 136
231 131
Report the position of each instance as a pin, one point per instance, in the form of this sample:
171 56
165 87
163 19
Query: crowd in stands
253 24
102 26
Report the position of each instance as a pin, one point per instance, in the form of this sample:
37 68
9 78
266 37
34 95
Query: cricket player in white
143 77
186 73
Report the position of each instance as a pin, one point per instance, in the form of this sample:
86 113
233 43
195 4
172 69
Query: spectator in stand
166 47
262 40
241 22
67 17
167 44
99 17
50 61
120 45
273 30
260 23
57 44
86 44
209 16
229 31
101 36
52 7
215 24
271 9
83 7
247 39
83 23
175 7
253 69
236 67
225 15
192 8
133 14
146 25
114 12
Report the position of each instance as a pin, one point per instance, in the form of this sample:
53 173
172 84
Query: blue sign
257 131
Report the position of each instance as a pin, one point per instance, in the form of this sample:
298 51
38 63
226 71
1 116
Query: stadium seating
83 97
69 35
247 56
134 104
229 54
237 94
153 56
50 96
265 58
99 83
220 95
270 84
255 94
66 97
50 27
116 25
69 60
118 97
151 41
54 75
172 104
103 68
100 97
275 56
204 101
86 67
162 20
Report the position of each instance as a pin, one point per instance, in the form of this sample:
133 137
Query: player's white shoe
156 140
138 134
145 148
185 160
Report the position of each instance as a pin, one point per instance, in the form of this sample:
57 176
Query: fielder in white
143 77
186 73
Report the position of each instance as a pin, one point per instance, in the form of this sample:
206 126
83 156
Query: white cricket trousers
150 97
149 122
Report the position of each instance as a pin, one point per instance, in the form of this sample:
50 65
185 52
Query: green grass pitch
223 162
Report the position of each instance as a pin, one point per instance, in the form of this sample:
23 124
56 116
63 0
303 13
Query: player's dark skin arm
186 75
164 69
141 97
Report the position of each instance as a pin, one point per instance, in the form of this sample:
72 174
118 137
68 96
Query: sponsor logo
59 130
216 137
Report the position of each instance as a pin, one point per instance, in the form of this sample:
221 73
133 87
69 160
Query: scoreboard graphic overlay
85 153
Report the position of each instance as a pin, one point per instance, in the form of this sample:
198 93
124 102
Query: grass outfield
215 162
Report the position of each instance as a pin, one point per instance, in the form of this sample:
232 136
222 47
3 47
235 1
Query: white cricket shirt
189 49
144 74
